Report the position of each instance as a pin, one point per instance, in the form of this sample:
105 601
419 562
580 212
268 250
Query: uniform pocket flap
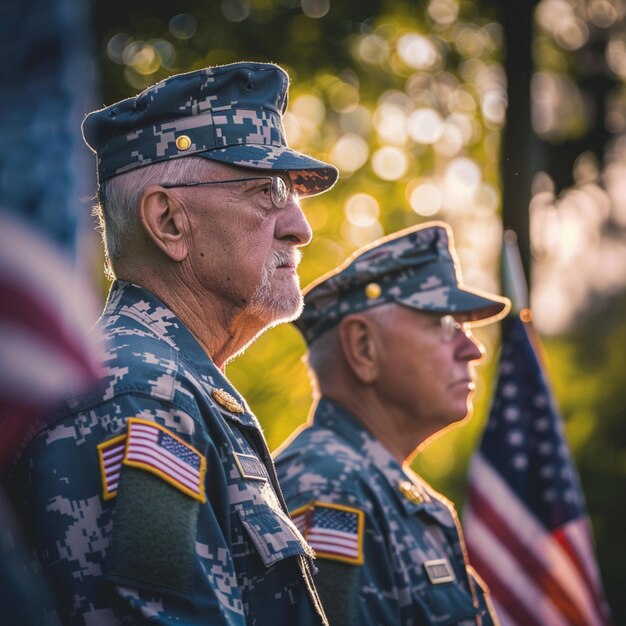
273 534
447 604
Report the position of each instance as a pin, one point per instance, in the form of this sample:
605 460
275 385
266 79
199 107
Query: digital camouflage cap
416 267
228 113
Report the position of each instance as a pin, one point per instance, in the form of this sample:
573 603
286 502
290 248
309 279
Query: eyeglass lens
279 192
449 327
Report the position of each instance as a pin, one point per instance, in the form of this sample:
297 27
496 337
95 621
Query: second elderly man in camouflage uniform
155 499
391 351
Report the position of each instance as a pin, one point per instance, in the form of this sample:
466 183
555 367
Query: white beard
269 305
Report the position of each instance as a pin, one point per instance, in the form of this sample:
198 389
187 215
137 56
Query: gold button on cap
183 142
225 399
373 291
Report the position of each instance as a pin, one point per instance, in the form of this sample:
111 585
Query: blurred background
485 115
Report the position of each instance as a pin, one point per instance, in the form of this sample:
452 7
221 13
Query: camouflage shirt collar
329 414
144 308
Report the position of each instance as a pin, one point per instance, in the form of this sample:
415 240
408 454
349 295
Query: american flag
47 349
152 447
332 530
110 455
527 530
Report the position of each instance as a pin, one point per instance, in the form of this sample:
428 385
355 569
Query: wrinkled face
243 249
426 369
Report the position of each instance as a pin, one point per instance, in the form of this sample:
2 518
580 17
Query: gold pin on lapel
225 399
410 491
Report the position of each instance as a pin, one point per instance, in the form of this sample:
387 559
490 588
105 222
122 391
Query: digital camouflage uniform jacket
154 498
405 537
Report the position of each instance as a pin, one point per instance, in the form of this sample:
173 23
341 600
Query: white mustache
280 258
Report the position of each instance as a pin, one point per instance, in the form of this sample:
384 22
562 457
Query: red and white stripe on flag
156 449
537 577
48 350
110 455
334 531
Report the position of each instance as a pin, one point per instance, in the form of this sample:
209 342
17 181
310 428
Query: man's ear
357 338
164 222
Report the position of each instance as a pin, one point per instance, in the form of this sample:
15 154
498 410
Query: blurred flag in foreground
47 348
527 531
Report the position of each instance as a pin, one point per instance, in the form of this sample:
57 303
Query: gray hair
325 351
119 196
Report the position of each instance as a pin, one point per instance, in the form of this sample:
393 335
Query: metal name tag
439 571
250 467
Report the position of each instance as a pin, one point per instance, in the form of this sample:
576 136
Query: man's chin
279 307
289 311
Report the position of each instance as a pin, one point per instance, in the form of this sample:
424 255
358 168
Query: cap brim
313 176
476 306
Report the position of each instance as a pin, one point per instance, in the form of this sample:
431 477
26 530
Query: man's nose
469 348
291 223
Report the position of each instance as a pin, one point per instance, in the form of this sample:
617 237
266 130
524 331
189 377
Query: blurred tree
520 147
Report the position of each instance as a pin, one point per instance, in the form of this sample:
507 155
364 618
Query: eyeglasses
450 327
279 190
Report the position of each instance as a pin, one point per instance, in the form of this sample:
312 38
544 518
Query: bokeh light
487 199
424 198
471 40
362 210
356 121
305 117
166 52
443 12
350 153
558 107
183 26
461 179
390 123
293 129
616 55
418 52
373 49
468 127
425 125
604 13
235 10
142 57
390 163
450 143
309 107
343 97
116 46
315 8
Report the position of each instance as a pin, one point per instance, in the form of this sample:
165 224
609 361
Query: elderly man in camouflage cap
391 351
155 499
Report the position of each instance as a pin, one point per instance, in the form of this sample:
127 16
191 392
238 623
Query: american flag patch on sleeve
334 531
155 449
110 455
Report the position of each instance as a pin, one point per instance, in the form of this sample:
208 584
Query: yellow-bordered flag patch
155 449
334 531
110 456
